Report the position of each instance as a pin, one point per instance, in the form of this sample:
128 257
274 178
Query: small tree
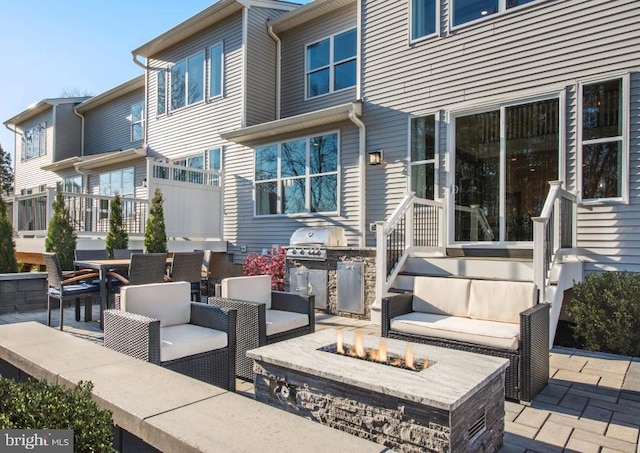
155 236
117 236
60 235
8 261
6 173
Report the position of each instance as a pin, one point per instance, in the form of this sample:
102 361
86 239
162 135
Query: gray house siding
242 228
108 126
542 48
293 61
68 132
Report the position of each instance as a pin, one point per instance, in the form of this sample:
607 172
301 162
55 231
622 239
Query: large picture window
34 142
424 15
298 176
331 64
187 81
423 156
463 11
603 143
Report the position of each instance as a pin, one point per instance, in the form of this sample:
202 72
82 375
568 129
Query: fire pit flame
360 345
408 357
339 344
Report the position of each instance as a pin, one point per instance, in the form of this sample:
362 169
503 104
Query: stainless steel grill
311 243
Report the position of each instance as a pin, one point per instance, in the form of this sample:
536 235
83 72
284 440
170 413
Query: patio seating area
591 403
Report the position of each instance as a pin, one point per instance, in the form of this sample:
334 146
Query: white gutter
146 99
363 175
81 130
278 69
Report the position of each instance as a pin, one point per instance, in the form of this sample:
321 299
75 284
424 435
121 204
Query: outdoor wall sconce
144 182
375 157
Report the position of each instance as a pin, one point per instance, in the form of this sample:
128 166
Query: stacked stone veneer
23 292
346 254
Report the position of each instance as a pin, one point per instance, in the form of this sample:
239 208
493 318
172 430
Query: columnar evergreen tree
60 235
8 261
155 236
117 236
6 173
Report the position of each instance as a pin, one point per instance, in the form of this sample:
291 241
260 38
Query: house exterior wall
139 173
108 126
542 48
68 132
293 61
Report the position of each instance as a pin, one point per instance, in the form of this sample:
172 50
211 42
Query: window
161 92
214 163
137 122
464 11
215 70
117 182
603 107
423 18
187 81
298 176
34 142
72 184
331 64
196 161
423 156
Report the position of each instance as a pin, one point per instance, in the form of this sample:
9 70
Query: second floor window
464 11
215 70
330 64
423 18
137 122
187 81
34 142
162 91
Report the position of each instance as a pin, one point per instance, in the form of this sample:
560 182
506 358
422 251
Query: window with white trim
423 156
195 161
216 68
603 139
137 122
463 11
119 182
297 176
72 184
34 142
330 64
161 93
214 163
187 81
423 18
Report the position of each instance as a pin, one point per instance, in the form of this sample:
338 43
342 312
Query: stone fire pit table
456 404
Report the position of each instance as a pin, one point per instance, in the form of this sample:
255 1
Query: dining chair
144 268
187 267
84 254
125 254
66 285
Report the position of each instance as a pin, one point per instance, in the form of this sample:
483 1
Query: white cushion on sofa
168 302
188 339
441 295
500 300
487 333
254 288
281 321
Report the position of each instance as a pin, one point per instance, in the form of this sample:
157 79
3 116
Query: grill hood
319 236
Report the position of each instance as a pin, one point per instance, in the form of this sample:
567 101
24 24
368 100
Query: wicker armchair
187 267
258 320
158 323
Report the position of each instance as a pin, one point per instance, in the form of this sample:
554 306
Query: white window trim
413 40
436 156
624 182
307 178
332 64
449 166
167 73
41 129
502 9
208 158
186 158
222 69
140 122
186 82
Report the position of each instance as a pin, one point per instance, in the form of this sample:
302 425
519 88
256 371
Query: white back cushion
168 302
254 288
500 300
441 295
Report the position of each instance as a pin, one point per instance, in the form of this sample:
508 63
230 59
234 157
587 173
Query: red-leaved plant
273 263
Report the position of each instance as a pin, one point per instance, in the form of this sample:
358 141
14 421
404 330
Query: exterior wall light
375 157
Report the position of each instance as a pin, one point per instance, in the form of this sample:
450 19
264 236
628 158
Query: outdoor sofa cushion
188 339
281 321
441 295
476 331
501 301
168 302
254 288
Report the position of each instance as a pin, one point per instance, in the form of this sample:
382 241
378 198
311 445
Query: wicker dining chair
187 267
144 268
85 255
124 254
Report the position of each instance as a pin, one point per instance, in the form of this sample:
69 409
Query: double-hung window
424 22
298 176
161 91
137 122
463 11
187 81
331 64
34 141
603 140
423 156
216 68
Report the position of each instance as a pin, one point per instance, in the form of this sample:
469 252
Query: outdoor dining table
103 267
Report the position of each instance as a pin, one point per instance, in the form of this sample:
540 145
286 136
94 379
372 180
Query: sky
52 47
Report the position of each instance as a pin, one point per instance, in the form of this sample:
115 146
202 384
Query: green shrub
155 236
61 238
35 404
117 236
8 261
606 309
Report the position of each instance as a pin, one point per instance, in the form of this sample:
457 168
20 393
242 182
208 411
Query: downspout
245 57
362 144
146 99
278 69
81 130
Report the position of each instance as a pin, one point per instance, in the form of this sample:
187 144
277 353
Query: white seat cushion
188 339
280 321
487 333
254 288
168 302
441 295
500 300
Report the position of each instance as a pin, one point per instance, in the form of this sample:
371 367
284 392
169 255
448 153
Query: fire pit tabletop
446 384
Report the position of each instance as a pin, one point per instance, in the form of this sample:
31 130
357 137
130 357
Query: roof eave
41 106
306 13
114 93
110 158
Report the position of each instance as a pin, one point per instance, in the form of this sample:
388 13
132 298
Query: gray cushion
168 302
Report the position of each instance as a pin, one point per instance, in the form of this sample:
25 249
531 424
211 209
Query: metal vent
479 427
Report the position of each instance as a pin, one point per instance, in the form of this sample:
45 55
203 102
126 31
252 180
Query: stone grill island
455 404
